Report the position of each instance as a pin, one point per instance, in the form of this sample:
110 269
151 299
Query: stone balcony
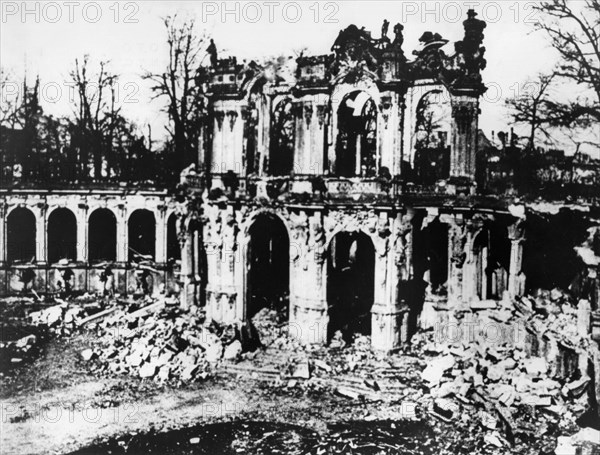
318 189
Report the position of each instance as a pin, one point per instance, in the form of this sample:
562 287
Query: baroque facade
303 203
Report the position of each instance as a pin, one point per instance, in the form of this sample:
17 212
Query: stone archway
281 153
350 284
431 260
102 236
432 138
142 235
62 235
268 266
173 245
20 235
356 146
491 255
480 258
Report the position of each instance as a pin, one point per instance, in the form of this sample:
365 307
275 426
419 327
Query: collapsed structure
343 190
308 169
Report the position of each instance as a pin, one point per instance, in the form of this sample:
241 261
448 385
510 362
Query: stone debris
13 353
301 370
347 392
164 343
87 354
64 318
233 351
515 386
528 383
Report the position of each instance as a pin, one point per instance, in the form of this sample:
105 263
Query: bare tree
9 101
96 113
575 34
181 84
531 107
21 109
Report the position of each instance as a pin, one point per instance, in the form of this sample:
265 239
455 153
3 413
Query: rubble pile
23 330
168 345
14 353
529 385
274 332
61 319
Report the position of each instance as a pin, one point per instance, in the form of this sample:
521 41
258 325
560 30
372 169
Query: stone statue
399 38
384 30
212 51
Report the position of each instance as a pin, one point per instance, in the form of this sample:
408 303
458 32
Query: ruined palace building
300 198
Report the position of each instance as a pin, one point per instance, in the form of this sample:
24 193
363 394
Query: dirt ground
56 404
354 402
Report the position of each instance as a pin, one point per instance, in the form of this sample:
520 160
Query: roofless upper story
357 113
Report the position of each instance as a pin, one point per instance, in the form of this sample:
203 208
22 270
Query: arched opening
350 284
62 236
491 253
431 262
254 112
173 247
356 149
432 146
499 262
281 154
20 236
102 236
268 266
142 235
550 259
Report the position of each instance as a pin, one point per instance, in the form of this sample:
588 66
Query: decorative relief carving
297 109
402 245
299 238
317 241
458 241
308 113
321 114
232 115
220 117
464 112
385 108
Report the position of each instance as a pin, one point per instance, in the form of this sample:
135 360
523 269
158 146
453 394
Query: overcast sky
44 38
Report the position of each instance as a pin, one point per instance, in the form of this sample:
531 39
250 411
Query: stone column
160 247
465 114
187 269
2 234
308 279
317 159
457 240
225 290
213 246
515 288
122 235
300 136
470 282
122 256
82 233
264 136
233 270
515 285
390 133
41 236
393 272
